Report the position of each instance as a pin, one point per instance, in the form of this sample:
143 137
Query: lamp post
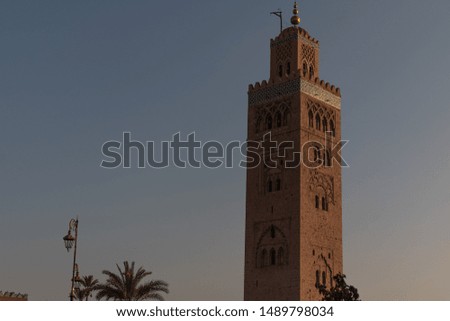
69 242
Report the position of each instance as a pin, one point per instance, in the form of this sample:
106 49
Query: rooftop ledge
297 75
293 31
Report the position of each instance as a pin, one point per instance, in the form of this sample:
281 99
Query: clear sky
75 74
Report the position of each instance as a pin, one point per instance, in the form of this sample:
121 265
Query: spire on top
295 20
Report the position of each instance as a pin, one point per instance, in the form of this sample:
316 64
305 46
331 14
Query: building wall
287 238
11 296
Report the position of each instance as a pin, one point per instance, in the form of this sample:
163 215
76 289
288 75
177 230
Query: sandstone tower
293 235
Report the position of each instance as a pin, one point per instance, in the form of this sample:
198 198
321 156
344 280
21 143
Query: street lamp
69 242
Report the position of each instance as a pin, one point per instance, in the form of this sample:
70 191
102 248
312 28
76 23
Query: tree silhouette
340 291
88 283
128 286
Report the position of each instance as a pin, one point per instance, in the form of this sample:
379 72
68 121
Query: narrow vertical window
273 257
332 128
317 122
317 278
288 68
324 124
324 278
317 156
311 72
324 204
327 159
278 119
305 69
310 119
317 201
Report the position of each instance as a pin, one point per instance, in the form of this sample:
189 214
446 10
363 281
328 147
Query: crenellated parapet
293 33
12 296
266 91
324 85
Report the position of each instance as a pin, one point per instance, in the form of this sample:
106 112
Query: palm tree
88 284
126 286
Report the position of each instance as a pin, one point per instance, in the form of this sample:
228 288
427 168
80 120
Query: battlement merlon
316 88
294 33
12 296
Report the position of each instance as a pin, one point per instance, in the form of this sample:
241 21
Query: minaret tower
293 234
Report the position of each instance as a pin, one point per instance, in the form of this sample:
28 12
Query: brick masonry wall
285 222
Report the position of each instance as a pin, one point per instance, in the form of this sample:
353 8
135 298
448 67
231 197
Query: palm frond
127 285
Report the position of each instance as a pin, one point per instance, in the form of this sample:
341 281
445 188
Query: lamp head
68 241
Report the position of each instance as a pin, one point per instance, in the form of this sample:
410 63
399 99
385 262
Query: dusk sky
75 74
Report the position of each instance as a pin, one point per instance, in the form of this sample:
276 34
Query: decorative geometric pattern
272 93
321 94
272 248
309 56
284 52
278 113
320 110
318 180
293 37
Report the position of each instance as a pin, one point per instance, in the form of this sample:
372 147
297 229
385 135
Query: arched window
278 184
311 72
305 69
280 256
324 124
324 204
288 68
317 201
324 278
280 71
273 257
317 122
263 258
269 186
286 117
310 119
269 122
332 128
278 119
317 278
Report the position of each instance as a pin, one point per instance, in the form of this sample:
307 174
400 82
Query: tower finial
295 20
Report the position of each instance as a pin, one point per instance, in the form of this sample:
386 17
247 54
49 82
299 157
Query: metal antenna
279 14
